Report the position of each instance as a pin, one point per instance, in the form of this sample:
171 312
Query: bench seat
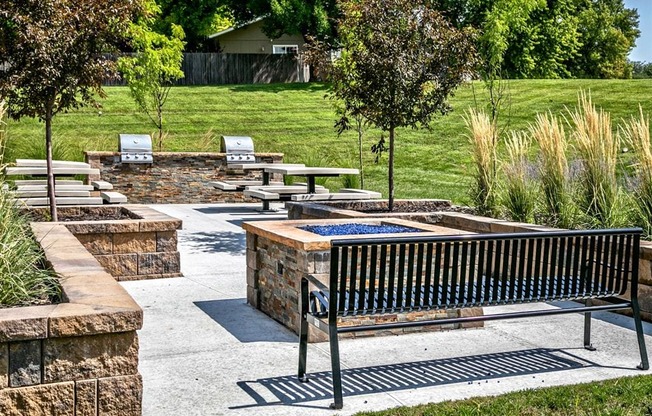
59 201
42 170
238 185
101 185
44 182
343 194
42 193
110 197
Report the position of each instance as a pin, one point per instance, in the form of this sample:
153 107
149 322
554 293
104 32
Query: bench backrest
372 275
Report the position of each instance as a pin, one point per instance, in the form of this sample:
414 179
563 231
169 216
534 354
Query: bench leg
636 311
587 328
303 330
335 364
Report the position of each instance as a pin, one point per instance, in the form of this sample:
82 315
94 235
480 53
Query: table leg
265 178
311 184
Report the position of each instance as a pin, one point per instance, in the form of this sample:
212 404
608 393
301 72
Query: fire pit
280 253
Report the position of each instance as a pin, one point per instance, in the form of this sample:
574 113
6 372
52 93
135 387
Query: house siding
251 39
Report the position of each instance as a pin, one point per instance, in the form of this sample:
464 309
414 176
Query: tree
400 62
54 57
151 73
310 18
197 18
552 38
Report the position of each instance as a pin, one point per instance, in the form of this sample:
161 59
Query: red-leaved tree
53 57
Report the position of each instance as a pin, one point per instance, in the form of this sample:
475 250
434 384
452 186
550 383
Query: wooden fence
228 68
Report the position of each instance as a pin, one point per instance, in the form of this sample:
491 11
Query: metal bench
372 277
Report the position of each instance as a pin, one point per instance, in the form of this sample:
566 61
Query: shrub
518 196
23 278
483 143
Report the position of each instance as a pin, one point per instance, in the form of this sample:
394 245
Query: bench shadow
211 242
287 390
245 323
238 210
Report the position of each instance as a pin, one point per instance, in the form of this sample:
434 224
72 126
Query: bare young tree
53 57
400 61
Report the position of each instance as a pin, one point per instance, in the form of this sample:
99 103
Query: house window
286 49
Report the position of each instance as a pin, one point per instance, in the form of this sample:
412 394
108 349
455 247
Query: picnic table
67 192
311 173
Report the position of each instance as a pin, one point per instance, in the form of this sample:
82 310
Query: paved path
204 351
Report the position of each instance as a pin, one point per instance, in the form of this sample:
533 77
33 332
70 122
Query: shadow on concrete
233 243
238 210
478 369
238 222
245 323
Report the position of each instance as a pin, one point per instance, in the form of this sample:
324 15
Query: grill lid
238 149
135 148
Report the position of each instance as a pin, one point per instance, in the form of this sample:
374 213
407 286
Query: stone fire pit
280 253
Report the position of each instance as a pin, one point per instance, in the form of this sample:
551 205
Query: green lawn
622 397
295 119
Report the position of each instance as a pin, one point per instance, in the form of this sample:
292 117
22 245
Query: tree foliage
197 18
400 62
551 38
310 18
152 71
53 57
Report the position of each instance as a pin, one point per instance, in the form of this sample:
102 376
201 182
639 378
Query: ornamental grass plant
557 209
483 148
597 149
24 277
636 133
517 196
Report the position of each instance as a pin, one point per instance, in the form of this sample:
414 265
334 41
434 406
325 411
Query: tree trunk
48 157
391 169
159 111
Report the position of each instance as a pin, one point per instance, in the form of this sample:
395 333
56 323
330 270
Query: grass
295 119
24 279
623 396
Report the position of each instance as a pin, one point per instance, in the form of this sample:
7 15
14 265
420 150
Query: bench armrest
315 280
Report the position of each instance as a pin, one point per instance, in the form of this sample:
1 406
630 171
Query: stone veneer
462 221
75 358
279 255
144 246
174 178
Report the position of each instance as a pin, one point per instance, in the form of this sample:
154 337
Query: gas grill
238 149
135 148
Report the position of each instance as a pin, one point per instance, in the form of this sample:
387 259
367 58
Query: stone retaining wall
79 357
173 178
142 246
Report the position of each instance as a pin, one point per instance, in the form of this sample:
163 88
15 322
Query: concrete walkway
204 351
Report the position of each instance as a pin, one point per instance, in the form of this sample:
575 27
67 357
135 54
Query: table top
311 171
261 166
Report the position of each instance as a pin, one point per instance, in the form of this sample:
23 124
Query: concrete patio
204 351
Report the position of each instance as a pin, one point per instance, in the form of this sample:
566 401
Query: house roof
232 28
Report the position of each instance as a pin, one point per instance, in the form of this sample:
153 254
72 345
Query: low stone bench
60 200
113 197
102 185
229 186
343 194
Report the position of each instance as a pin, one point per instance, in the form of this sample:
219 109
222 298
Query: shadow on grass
280 87
477 369
245 323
